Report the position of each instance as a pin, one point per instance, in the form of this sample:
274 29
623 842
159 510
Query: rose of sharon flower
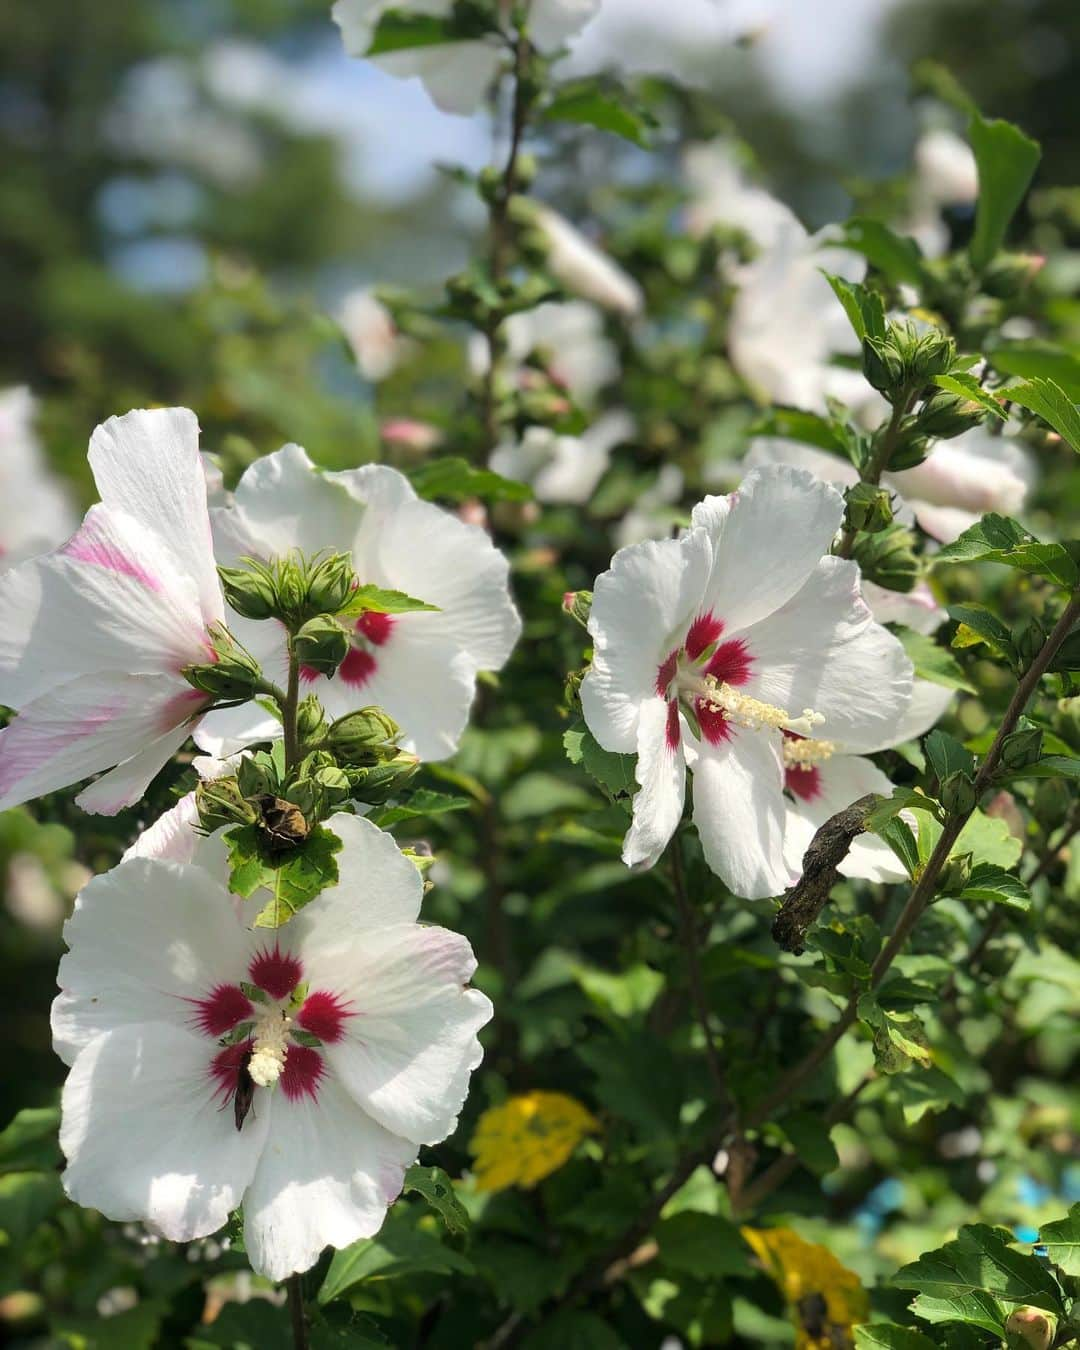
563 468
722 194
93 637
582 268
372 334
296 1071
457 75
566 337
35 510
709 647
421 667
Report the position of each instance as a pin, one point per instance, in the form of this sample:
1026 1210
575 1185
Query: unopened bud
946 415
321 645
1051 803
1028 642
926 354
883 365
377 782
355 737
255 775
868 508
233 675
957 794
1022 748
333 783
888 558
310 718
221 802
291 590
955 875
330 583
1009 273
911 449
578 604
249 590
1031 1328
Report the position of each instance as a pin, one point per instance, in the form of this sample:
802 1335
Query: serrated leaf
588 104
1006 160
902 799
987 838
1001 539
896 256
981 625
976 1279
890 1336
379 600
864 307
1052 404
967 386
397 1251
897 833
614 773
438 1190
1062 1241
923 1091
931 661
293 879
946 755
422 802
995 884
454 479
1038 360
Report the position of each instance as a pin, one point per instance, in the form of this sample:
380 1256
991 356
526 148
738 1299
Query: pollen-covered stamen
269 1046
801 752
752 713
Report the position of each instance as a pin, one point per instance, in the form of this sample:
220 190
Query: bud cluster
904 360
888 557
232 676
293 589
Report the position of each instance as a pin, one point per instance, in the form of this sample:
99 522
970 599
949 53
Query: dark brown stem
295 1288
689 935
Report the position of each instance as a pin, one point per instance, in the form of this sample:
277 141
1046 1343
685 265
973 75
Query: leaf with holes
438 1190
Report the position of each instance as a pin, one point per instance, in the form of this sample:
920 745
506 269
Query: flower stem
295 1287
876 465
288 712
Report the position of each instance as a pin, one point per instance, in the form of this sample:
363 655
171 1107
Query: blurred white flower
582 268
372 334
563 468
566 337
651 516
945 175
36 512
722 194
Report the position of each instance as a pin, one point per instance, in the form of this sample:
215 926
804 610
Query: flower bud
578 604
310 718
1009 273
955 875
234 675
333 783
957 794
883 365
222 802
869 508
1051 803
926 354
291 590
888 558
377 782
321 645
1022 748
329 584
282 825
356 737
911 451
249 590
1028 642
945 415
1031 1328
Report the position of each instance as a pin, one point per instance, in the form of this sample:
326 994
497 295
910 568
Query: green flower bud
945 415
377 782
868 508
1029 1328
911 450
957 794
233 676
1067 720
321 645
356 737
291 590
578 605
888 558
955 875
883 365
256 776
1022 748
330 583
1010 273
310 718
1028 641
249 590
221 802
1051 803
333 783
926 354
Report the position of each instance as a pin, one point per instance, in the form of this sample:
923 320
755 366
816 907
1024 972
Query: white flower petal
929 704
146 1138
146 464
457 75
552 22
90 725
326 1177
144 938
917 608
661 773
780 522
173 837
411 1043
127 783
642 606
823 650
576 263
739 813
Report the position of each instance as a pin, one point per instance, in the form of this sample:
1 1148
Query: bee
245 1091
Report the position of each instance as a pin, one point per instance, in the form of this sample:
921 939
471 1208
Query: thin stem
288 711
295 1287
877 464
688 933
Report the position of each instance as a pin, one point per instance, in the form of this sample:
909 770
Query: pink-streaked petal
145 1134
127 783
661 773
326 1180
147 465
146 940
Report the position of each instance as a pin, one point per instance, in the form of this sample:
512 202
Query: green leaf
1001 539
897 833
995 884
26 1201
1006 161
889 1336
137 1328
293 879
1038 360
865 308
796 425
899 1037
902 799
606 109
808 1134
422 802
981 625
614 773
630 993
454 479
438 1190
377 600
398 32
255 1325
986 838
703 1245
967 386
975 1279
1052 404
896 256
947 756
924 1091
931 661
398 1250
569 1329
30 1142
1062 1241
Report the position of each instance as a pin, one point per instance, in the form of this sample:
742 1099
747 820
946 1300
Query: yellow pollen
269 1047
806 753
749 712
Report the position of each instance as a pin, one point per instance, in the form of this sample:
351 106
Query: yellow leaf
824 1298
526 1138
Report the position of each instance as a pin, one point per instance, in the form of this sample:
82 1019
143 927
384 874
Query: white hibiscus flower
36 513
709 647
581 267
566 336
93 637
563 468
421 667
295 1071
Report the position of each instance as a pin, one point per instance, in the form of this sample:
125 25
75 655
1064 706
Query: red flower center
706 657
